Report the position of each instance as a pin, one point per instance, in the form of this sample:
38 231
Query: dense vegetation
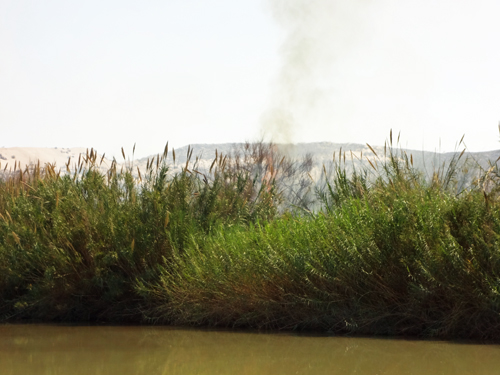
384 251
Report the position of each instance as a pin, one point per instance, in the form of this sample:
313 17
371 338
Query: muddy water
69 350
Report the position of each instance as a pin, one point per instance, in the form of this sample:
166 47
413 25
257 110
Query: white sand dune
23 156
203 157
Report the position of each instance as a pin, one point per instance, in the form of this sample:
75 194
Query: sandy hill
321 152
20 157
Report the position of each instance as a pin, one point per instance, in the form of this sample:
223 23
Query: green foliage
74 246
388 252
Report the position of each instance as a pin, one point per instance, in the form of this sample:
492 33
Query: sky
109 73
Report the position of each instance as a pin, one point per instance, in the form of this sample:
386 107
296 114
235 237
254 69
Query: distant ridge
321 152
19 157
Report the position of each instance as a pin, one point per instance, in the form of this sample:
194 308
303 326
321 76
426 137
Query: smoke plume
317 32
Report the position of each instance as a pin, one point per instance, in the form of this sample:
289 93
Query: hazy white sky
110 73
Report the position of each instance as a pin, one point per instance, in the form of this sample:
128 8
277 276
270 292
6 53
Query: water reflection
54 350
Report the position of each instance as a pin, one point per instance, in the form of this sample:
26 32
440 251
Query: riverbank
385 251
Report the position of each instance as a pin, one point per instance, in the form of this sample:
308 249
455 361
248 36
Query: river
123 350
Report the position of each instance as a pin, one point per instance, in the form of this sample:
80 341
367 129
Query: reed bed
253 243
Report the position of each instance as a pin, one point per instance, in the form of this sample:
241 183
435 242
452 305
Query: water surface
110 350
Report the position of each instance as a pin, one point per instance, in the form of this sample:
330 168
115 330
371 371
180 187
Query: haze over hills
14 158
322 153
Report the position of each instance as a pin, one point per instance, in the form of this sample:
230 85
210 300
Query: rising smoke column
318 32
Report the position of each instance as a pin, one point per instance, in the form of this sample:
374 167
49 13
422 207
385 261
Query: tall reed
391 252
73 245
246 243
